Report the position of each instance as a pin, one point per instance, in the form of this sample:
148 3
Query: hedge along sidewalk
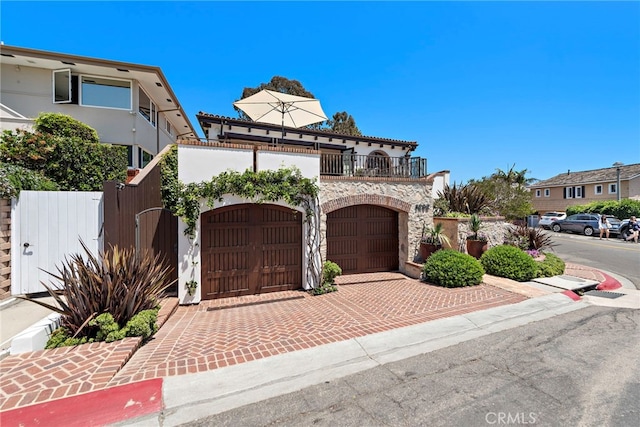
45 375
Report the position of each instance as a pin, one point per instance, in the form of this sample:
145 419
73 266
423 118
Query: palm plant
474 223
435 235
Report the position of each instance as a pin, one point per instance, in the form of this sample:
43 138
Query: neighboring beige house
374 199
579 188
127 104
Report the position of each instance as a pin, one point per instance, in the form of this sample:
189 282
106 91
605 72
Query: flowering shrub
533 252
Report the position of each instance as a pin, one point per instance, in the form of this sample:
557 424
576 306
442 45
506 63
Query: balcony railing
375 166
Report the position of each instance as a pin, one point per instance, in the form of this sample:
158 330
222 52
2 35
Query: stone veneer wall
457 229
5 249
410 198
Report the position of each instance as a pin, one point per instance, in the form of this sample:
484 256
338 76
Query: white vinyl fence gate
46 229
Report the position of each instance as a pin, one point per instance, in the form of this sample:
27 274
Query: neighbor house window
613 189
547 192
578 193
146 107
568 192
538 193
106 93
598 189
144 157
62 86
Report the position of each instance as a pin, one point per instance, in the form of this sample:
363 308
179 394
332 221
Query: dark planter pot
476 248
426 249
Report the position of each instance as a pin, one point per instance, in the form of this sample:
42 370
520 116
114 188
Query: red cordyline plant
118 282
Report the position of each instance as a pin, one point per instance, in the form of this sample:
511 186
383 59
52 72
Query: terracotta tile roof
593 176
206 117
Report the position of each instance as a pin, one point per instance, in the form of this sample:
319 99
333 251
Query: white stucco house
374 200
128 104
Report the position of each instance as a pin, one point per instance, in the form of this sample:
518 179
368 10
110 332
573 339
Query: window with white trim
538 193
105 92
167 126
613 189
547 192
597 189
568 192
578 192
146 107
61 86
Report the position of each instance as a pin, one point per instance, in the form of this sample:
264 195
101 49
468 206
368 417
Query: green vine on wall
286 184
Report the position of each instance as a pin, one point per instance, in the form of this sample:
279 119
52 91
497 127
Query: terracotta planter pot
476 248
426 249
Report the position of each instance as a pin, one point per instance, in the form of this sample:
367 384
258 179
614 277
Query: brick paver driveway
225 332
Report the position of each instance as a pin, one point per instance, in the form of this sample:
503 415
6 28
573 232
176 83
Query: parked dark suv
584 223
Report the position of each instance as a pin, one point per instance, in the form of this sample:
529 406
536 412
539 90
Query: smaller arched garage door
363 239
250 249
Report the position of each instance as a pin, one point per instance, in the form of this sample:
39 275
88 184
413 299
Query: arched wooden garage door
363 239
250 249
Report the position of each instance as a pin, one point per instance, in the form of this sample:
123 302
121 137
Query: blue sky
547 86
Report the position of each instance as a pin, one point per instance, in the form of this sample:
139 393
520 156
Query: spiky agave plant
529 238
119 283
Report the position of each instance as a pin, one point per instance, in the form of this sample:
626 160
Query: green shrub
143 324
623 209
65 126
66 153
552 265
61 338
330 270
14 179
510 262
451 269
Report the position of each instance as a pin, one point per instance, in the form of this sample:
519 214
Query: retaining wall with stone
457 229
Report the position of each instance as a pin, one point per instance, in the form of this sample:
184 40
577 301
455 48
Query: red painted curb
571 295
97 408
608 284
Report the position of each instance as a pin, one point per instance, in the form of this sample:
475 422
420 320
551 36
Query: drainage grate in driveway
604 294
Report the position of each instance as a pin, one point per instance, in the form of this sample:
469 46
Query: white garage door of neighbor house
46 228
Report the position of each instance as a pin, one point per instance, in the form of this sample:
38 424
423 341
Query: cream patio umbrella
272 107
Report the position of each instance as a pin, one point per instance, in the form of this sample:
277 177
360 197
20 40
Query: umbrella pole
282 133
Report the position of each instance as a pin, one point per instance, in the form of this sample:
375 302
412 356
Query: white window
568 192
538 193
62 86
104 92
578 192
146 107
167 126
613 188
598 189
547 192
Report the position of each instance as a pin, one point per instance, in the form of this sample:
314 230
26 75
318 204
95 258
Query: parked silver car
584 223
548 218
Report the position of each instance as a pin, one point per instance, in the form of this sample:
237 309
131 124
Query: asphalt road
613 255
578 369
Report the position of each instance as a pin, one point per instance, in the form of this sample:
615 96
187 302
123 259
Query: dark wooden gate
157 229
363 239
250 249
